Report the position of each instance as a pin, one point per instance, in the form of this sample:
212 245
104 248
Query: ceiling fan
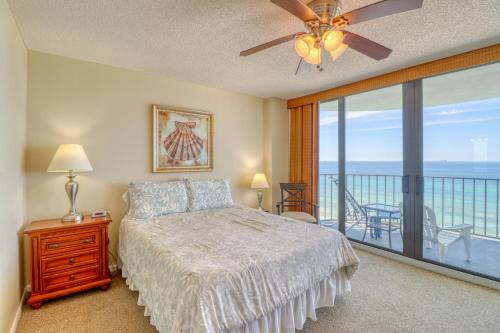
325 29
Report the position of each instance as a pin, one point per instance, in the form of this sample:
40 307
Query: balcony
453 201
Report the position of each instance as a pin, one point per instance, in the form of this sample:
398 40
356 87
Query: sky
467 131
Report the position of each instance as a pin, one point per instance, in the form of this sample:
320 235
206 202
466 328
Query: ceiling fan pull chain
298 67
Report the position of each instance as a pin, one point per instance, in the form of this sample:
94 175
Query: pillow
206 194
150 199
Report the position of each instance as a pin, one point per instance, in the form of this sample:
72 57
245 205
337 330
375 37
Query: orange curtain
304 149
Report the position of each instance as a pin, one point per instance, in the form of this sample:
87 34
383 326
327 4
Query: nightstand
67 257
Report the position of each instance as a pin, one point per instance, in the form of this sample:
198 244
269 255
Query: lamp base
71 190
72 217
259 198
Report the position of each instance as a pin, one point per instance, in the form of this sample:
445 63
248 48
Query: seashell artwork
183 144
182 140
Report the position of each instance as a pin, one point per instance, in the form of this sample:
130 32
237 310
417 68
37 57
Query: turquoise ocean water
458 192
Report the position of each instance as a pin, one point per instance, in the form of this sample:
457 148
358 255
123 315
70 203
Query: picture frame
182 140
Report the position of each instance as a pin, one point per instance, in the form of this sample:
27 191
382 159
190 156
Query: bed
233 269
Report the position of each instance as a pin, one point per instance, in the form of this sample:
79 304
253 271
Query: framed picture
182 140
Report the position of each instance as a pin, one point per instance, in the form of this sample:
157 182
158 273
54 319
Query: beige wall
13 74
276 150
108 111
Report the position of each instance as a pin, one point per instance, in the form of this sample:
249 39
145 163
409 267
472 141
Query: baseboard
15 322
430 267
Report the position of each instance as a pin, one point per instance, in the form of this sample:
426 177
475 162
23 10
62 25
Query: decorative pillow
206 194
149 199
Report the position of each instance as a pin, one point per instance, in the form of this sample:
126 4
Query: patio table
375 213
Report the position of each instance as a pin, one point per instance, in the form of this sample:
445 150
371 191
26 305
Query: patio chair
293 195
445 236
355 214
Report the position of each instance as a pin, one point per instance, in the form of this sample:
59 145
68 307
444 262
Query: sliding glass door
415 169
461 153
374 167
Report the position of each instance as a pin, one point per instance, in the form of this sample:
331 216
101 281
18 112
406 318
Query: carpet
387 296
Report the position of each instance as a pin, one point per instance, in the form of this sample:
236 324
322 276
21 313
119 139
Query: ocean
489 170
458 192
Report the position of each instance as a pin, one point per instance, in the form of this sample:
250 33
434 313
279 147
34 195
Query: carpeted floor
387 296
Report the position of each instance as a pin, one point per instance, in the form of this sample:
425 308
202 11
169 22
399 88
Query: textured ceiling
199 40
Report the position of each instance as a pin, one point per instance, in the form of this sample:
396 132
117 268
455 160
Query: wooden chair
293 195
445 236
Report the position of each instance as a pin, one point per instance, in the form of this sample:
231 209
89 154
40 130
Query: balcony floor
485 253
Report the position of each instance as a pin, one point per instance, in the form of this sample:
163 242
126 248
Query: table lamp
259 182
70 158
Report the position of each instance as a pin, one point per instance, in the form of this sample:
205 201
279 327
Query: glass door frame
412 182
341 164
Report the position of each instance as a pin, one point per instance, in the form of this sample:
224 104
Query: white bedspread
215 270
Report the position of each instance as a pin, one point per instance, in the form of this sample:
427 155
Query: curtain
304 149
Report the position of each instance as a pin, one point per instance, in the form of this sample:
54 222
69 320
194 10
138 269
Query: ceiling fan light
332 39
335 54
303 45
314 57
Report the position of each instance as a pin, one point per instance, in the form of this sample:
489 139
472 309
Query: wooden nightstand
67 257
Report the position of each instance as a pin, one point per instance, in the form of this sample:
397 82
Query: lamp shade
314 57
69 157
259 181
332 39
304 44
335 54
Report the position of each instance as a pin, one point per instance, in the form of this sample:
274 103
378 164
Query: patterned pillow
149 199
206 194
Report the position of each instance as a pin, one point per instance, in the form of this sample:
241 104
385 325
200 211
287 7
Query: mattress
231 269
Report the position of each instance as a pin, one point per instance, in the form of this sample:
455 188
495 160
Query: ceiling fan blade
381 9
366 46
297 8
267 45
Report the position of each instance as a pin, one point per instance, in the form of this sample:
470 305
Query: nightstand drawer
70 242
70 260
69 278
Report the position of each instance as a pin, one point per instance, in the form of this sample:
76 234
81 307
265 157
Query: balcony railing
455 200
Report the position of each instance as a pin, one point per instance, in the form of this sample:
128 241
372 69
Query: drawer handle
87 241
71 277
71 260
54 246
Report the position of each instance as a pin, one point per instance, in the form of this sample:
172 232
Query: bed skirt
287 318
